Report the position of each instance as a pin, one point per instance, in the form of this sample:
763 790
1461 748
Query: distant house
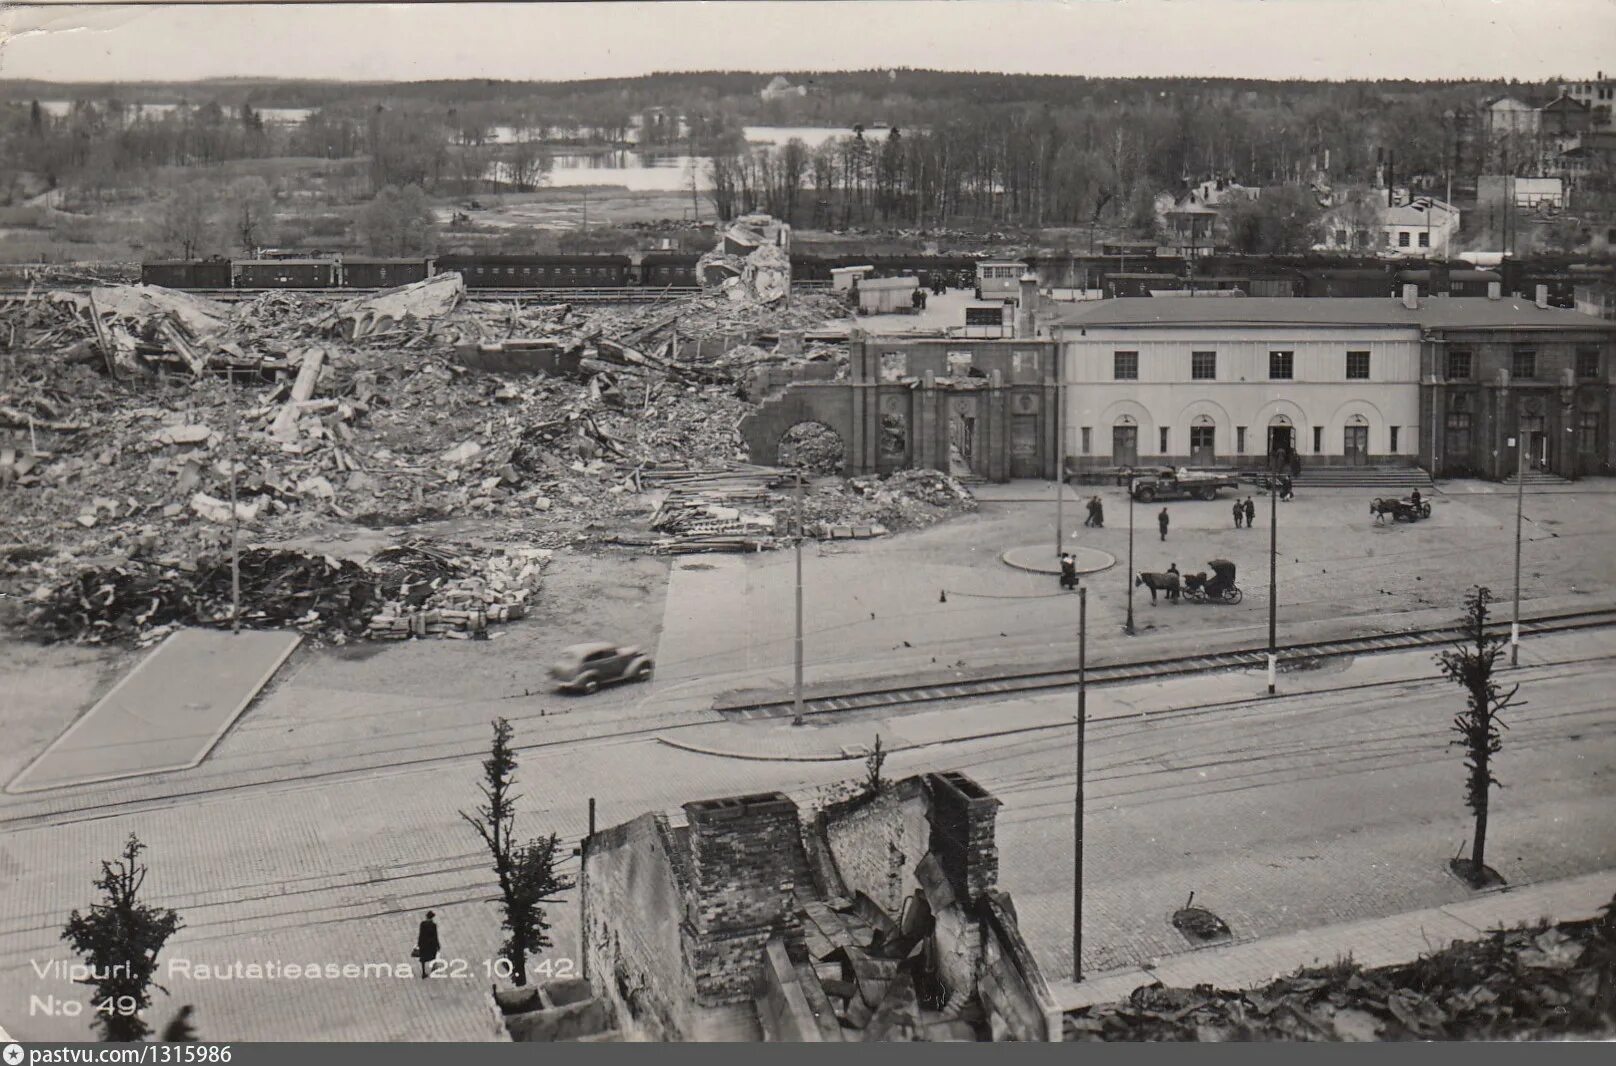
1190 226
1599 96
1422 225
1565 116
779 88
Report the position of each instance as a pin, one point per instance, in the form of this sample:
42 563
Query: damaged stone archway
814 446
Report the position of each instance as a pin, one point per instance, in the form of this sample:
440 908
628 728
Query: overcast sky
1526 39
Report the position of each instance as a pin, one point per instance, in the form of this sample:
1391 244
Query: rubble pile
907 499
1546 982
131 415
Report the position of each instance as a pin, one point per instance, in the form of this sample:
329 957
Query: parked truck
1167 484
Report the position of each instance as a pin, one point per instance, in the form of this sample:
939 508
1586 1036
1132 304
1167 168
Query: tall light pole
1077 819
1520 500
1129 576
1273 578
796 688
235 514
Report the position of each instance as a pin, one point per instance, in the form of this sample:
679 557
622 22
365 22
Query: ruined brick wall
748 872
1020 1005
962 834
829 403
635 951
876 844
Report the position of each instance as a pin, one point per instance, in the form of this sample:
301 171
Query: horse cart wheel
1425 510
1233 595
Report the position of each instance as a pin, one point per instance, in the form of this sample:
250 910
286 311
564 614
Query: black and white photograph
895 521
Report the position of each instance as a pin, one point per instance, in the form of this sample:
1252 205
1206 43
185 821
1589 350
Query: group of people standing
1245 513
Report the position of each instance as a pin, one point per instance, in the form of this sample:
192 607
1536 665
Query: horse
1167 583
1382 508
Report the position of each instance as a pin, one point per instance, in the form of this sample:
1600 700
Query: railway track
627 294
1013 682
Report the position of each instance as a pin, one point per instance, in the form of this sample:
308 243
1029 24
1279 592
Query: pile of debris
904 500
409 590
1546 982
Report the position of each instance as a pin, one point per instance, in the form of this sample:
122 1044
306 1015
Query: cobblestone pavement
1389 941
1281 815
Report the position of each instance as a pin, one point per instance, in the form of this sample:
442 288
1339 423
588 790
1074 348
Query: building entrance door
1024 446
1201 452
1125 445
1281 443
1537 441
1355 445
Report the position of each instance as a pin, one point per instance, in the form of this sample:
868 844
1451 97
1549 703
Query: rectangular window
1318 439
1402 238
1588 433
1204 366
1458 365
1201 437
1240 440
1425 238
1125 366
1523 364
1587 362
1280 365
1088 440
1394 439
1357 366
1164 440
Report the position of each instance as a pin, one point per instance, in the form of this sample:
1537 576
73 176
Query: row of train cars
1135 274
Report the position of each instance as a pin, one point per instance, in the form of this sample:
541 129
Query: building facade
1336 381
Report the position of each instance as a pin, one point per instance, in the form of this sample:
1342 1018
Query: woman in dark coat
426 942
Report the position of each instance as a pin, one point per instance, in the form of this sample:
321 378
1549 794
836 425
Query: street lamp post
1273 579
796 687
1077 820
1129 576
1520 500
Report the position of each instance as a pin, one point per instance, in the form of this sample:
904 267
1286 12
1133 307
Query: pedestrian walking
1161 520
1285 492
1251 513
426 943
1068 565
1089 505
1239 514
1174 588
1099 512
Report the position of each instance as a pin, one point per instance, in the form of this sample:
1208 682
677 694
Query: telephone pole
1129 576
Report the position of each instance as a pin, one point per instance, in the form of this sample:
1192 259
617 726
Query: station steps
1539 479
1362 477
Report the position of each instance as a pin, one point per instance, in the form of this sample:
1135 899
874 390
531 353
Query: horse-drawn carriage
1198 588
1409 509
1219 588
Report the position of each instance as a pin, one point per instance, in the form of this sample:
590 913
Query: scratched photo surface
806 522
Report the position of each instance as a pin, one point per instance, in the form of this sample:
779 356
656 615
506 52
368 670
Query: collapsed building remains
872 918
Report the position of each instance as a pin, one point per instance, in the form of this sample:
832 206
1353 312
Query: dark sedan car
586 667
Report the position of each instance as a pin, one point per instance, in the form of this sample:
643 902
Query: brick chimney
1027 308
1411 297
1543 296
1495 290
748 861
963 816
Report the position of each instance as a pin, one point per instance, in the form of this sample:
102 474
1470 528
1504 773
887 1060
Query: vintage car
586 667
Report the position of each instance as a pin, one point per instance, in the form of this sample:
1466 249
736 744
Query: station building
1439 382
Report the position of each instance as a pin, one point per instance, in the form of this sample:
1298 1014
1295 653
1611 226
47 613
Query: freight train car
1140 284
187 273
1348 281
364 272
284 273
539 271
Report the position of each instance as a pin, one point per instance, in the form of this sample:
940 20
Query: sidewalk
1380 942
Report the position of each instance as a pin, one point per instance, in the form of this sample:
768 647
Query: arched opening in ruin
814 446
